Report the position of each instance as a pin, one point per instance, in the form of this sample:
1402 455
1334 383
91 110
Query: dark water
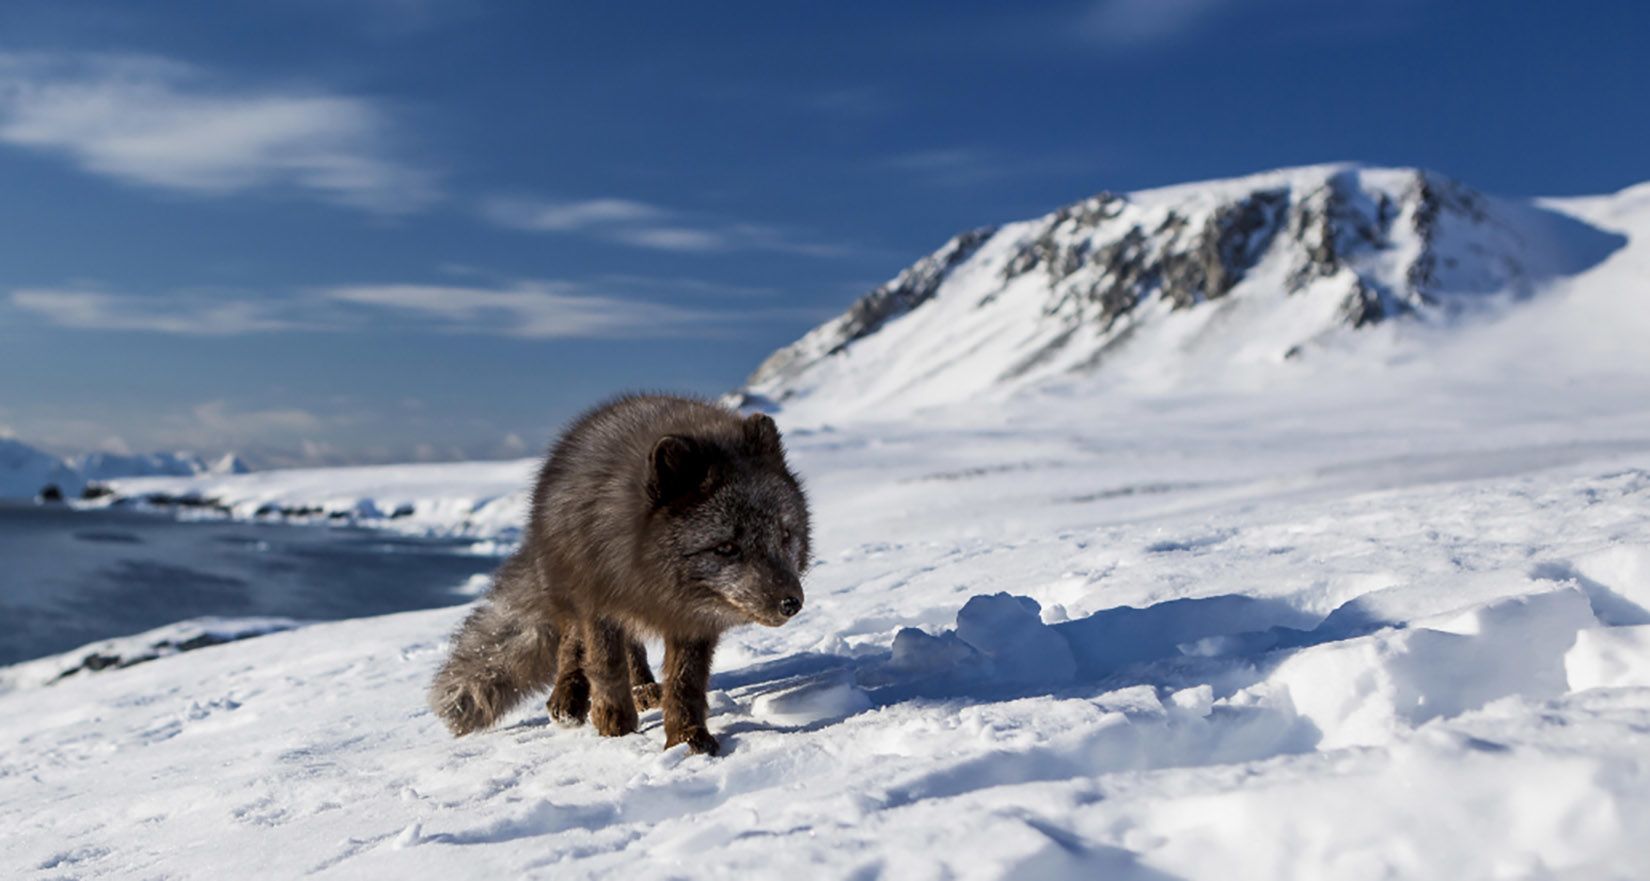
68 578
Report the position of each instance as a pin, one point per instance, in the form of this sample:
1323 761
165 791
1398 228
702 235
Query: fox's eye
784 533
726 549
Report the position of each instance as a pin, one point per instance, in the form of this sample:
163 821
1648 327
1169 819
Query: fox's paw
698 740
569 704
647 696
613 720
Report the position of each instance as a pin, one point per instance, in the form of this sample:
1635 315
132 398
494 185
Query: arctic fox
653 515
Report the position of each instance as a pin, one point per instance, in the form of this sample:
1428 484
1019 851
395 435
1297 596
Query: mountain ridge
1287 258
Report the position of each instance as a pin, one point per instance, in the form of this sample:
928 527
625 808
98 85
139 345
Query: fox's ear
762 435
677 467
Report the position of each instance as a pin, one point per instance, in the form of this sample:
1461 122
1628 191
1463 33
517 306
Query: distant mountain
25 471
1157 284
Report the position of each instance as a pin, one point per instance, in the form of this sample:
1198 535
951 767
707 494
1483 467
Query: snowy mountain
97 467
1187 281
25 471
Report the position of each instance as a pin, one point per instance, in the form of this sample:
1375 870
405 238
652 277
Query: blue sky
371 230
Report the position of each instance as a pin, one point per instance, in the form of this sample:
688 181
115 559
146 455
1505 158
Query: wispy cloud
646 225
533 310
955 166
965 166
223 421
551 216
1150 24
1135 22
186 313
160 123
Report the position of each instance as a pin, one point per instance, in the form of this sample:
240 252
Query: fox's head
734 520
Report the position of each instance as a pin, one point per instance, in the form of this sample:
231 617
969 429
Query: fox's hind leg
569 702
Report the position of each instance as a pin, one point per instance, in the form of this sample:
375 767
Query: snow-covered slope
25 471
480 499
99 467
1261 638
1187 282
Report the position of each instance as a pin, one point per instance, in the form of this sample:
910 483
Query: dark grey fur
653 515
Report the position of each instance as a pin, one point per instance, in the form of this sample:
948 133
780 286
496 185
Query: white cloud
535 309
550 216
532 309
675 238
189 314
513 445
159 123
225 422
949 166
967 166
645 225
1126 22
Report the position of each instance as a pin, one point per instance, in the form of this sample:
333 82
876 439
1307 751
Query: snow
1118 291
25 471
475 499
127 651
1318 653
1384 614
1609 657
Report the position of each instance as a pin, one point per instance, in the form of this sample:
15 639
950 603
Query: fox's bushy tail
500 655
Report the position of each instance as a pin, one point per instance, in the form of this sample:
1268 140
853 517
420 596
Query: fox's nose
790 606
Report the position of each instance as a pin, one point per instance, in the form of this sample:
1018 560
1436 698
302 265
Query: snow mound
1614 657
1364 691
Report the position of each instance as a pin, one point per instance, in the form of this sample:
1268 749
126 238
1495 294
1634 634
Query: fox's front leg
607 664
642 687
569 702
687 675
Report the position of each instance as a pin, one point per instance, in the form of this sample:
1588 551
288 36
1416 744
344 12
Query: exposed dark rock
51 492
911 288
97 661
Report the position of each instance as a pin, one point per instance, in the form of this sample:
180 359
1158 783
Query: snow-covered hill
25 471
99 467
1262 638
1152 288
